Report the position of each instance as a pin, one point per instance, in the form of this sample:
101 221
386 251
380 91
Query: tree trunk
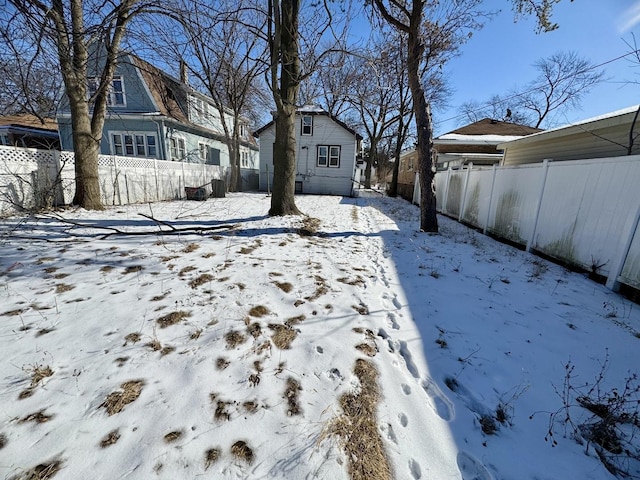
393 188
284 150
428 218
86 148
284 164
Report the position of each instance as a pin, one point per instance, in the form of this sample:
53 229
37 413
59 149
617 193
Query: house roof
487 131
171 96
608 119
31 122
312 110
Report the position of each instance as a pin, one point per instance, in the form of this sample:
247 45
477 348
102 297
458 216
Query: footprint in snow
471 468
404 420
414 468
406 389
438 400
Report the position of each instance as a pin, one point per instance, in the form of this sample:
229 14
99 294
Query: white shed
326 151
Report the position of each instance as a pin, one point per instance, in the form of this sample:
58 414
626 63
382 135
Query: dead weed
259 311
173 436
309 226
291 395
42 471
234 338
110 438
200 280
172 318
283 335
116 401
357 427
242 451
210 457
63 287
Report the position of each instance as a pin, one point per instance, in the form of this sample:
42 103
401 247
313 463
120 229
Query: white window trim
207 153
182 152
328 156
95 82
302 125
134 144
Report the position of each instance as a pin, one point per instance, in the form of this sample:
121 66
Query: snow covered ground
226 355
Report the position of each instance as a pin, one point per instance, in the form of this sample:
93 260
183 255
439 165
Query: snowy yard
250 352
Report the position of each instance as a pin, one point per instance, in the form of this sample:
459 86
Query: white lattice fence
33 178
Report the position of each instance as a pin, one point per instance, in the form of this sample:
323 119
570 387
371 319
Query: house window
134 144
214 156
245 160
115 95
178 149
203 152
328 156
200 107
243 130
307 125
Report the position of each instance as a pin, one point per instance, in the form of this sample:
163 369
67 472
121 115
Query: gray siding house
326 151
151 114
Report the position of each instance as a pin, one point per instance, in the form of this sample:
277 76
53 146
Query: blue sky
500 56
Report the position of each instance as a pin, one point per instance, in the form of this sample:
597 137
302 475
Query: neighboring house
476 143
326 151
151 114
30 132
610 135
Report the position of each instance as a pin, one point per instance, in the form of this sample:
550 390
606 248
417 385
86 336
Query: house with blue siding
326 153
151 114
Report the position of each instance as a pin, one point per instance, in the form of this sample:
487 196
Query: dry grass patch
106 269
168 258
361 309
211 456
208 255
116 401
157 298
358 430
41 260
39 373
133 269
222 363
259 311
234 338
186 270
14 313
250 406
154 344
167 350
60 276
196 334
369 349
132 338
200 280
63 287
44 331
172 318
309 227
358 280
242 451
283 335
291 395
37 417
173 436
286 287
254 329
294 320
50 269
321 288
192 247
110 438
42 471
3 441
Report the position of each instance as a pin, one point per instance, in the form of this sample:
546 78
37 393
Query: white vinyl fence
582 212
31 178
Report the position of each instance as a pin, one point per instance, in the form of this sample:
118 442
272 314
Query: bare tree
293 57
73 28
431 40
30 79
225 58
563 80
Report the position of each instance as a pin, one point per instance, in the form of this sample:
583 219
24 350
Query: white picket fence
30 177
584 212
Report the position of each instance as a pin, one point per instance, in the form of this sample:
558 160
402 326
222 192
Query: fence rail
31 178
584 213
